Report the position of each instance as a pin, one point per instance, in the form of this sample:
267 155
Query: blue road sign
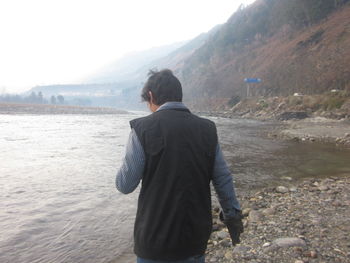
252 80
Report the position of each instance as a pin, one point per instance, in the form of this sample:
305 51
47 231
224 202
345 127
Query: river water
58 201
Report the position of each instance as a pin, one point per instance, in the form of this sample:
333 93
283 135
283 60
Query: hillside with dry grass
307 52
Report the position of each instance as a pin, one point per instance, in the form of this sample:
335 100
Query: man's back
174 211
175 154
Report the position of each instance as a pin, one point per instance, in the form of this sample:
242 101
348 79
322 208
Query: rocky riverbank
18 108
316 129
305 118
309 129
300 222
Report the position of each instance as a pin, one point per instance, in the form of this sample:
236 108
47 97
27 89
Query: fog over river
58 201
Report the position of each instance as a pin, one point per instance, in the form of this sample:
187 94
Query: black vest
173 219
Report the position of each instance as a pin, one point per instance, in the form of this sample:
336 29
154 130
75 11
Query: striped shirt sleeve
223 185
130 173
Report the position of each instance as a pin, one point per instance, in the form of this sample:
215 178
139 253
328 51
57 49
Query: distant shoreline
21 108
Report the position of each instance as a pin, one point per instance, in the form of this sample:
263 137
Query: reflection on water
57 174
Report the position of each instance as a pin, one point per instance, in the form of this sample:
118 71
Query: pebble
282 189
222 234
323 188
293 189
289 242
226 243
228 255
286 178
255 216
216 227
246 211
267 244
239 249
313 254
268 211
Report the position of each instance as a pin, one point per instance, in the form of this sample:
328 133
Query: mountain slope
176 59
124 68
307 55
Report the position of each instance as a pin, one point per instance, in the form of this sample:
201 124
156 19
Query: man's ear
151 100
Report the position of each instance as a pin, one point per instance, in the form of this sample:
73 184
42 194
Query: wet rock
282 189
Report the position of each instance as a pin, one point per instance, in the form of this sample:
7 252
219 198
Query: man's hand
234 226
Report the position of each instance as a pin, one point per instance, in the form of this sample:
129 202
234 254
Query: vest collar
173 105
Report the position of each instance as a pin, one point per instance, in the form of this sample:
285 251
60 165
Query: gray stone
239 249
323 188
229 255
222 234
216 227
282 189
267 244
289 242
246 211
293 189
285 243
226 243
255 216
268 211
286 178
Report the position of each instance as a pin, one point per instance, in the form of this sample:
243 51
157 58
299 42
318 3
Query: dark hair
164 87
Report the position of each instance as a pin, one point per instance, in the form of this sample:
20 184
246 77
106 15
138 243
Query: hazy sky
63 41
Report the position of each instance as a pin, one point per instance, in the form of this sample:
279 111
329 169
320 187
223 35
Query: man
176 155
